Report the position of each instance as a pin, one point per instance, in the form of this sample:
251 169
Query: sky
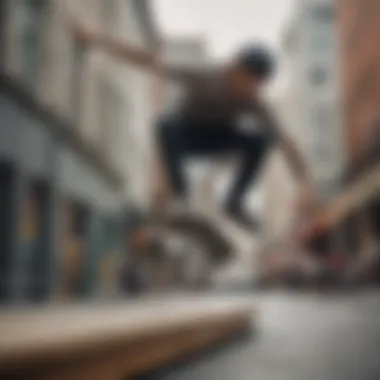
226 24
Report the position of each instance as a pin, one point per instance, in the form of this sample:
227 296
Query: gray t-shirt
208 103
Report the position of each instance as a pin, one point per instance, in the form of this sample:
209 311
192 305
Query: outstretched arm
291 152
129 53
293 157
118 49
299 168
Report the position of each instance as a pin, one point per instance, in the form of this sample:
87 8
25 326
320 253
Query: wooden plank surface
120 339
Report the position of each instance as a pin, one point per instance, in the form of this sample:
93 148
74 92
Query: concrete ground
300 337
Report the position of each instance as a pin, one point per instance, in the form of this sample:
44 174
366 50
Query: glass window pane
31 33
323 13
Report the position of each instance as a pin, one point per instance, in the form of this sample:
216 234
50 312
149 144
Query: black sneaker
243 219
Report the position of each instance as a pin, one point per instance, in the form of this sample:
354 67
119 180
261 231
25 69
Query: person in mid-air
208 121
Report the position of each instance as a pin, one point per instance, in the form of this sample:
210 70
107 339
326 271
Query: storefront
73 248
34 258
111 254
52 196
89 237
28 156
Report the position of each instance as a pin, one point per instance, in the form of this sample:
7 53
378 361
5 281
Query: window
321 42
80 219
322 152
77 80
109 110
111 234
32 12
323 117
323 13
323 124
35 241
318 76
75 242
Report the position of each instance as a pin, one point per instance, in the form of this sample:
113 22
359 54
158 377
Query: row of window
324 124
321 43
323 13
322 18
33 17
28 270
318 76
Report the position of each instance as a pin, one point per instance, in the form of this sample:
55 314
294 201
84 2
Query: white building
312 54
120 111
141 107
74 144
279 190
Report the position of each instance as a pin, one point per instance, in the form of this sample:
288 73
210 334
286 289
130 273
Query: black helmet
258 60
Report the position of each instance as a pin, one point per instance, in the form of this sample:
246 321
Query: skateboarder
219 102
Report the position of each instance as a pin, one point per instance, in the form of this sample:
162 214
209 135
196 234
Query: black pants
180 140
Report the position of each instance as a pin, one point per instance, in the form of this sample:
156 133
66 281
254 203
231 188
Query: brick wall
360 59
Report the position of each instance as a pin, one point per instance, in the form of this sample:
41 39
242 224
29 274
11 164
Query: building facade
314 85
359 27
279 190
350 224
63 149
359 63
142 106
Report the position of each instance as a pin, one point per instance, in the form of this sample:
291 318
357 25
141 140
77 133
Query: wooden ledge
112 342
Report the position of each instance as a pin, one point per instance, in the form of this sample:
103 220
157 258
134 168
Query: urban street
189 189
299 337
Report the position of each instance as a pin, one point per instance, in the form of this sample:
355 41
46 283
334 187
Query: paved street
301 337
